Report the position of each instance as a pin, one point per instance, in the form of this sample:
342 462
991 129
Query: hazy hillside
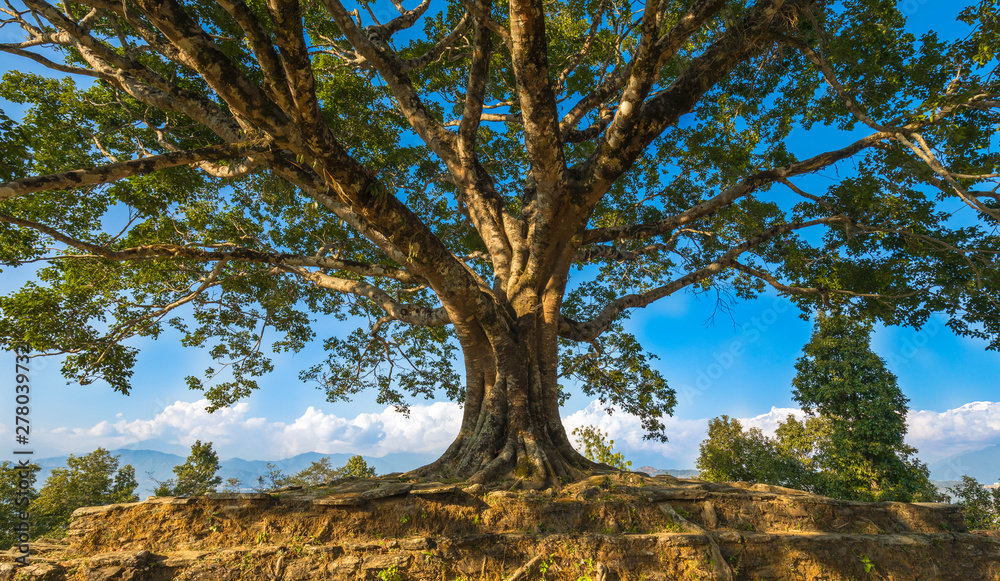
983 465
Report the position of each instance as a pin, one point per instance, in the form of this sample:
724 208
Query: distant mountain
983 465
685 473
150 465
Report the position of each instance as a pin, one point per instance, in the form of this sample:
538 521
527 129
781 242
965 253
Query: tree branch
745 187
392 70
117 171
590 330
624 144
537 99
413 315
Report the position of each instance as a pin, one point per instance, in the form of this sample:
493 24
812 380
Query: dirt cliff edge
608 527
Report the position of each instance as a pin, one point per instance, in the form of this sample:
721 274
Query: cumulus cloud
768 423
627 432
972 426
179 423
428 429
936 435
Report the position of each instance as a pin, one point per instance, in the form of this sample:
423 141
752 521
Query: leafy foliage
93 479
357 467
851 446
732 454
981 505
845 383
196 476
598 448
318 473
273 479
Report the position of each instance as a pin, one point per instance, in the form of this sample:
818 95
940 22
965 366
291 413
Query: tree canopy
197 475
94 479
510 179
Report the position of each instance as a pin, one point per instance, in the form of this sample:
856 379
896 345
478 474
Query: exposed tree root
720 568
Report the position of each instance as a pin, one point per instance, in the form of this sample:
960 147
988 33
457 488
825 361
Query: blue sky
739 364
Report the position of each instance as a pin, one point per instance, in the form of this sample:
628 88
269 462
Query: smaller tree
317 473
14 499
598 448
731 453
274 478
980 505
232 484
863 454
94 479
357 467
851 447
196 476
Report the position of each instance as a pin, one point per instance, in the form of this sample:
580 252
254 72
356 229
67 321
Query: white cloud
768 423
972 426
627 432
936 435
430 428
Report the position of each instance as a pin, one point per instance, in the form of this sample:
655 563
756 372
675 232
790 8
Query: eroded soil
608 527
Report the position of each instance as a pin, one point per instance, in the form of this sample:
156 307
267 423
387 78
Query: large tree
247 171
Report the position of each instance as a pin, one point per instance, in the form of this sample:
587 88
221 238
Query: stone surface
345 499
243 495
387 490
432 488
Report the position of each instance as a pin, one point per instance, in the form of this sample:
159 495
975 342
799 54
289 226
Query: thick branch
536 97
216 253
623 145
392 70
135 79
406 19
240 93
413 315
117 171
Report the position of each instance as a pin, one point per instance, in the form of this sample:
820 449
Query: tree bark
511 423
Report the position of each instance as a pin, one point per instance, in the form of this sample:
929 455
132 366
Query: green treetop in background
863 453
318 473
196 476
731 454
356 467
981 505
852 445
507 179
596 447
94 479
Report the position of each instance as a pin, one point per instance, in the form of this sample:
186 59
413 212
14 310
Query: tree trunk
511 426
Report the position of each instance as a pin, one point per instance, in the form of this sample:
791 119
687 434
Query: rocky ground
608 527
